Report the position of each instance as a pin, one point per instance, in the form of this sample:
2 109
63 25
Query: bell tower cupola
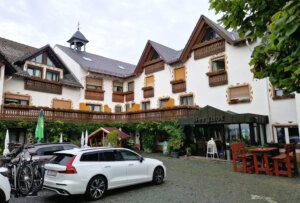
78 40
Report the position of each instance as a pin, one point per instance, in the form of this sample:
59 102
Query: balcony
118 97
94 94
208 48
217 78
129 96
178 86
30 113
154 66
148 92
40 85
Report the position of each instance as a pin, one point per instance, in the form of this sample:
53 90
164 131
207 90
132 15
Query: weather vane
78 24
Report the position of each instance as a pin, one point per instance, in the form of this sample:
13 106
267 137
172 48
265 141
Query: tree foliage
277 24
113 138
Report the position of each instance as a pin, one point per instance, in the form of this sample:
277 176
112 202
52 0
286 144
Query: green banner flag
39 131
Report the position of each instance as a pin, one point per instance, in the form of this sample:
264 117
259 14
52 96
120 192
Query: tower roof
79 36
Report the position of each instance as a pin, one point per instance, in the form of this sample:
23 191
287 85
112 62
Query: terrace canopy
209 115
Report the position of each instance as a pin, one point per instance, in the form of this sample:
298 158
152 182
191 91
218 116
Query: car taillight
70 168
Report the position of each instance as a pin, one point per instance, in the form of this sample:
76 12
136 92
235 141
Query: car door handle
107 166
130 164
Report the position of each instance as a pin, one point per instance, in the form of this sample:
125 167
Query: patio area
197 180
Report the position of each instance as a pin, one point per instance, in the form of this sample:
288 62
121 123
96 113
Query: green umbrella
39 131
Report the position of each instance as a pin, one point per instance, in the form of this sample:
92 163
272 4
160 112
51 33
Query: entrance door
217 133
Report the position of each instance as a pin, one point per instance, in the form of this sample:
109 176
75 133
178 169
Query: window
117 86
150 81
232 132
239 94
35 71
245 132
94 107
127 107
90 156
38 59
131 86
209 34
278 92
94 83
280 135
179 73
61 159
52 75
155 56
16 101
218 64
162 102
118 109
294 135
129 156
111 156
145 105
187 100
61 104
49 62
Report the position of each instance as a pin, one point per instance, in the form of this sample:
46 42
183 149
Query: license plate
51 173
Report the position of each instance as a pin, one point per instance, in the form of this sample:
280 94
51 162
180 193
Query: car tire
96 188
158 175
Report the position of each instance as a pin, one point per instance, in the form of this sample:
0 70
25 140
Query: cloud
115 29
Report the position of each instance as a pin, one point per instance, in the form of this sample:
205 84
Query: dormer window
38 59
52 75
34 71
209 34
155 56
49 62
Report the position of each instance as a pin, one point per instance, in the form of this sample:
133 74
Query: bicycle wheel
38 179
25 179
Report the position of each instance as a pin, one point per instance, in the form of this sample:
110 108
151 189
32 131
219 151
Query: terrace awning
210 115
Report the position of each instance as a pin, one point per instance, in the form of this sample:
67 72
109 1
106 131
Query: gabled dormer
208 38
44 71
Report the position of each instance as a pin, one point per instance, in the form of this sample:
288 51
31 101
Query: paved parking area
196 180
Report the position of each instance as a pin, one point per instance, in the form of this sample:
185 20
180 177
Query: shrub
113 138
148 142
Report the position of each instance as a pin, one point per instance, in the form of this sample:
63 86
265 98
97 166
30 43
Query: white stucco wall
15 85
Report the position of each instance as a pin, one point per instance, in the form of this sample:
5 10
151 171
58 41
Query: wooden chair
286 158
239 154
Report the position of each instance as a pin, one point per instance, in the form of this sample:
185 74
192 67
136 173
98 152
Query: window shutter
16 96
179 73
241 92
61 104
94 81
150 81
117 83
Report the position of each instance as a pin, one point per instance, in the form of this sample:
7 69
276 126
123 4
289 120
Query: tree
277 24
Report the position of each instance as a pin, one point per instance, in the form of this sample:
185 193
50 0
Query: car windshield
61 159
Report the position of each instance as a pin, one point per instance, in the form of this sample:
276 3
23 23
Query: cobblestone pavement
196 180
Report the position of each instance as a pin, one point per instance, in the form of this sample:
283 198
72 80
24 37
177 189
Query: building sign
209 119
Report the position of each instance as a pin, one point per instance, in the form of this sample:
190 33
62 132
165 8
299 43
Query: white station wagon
92 171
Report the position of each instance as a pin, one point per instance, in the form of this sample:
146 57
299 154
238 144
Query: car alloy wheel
96 188
158 175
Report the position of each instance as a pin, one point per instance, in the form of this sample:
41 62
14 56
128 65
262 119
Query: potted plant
188 151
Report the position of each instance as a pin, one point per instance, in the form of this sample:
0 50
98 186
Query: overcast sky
117 29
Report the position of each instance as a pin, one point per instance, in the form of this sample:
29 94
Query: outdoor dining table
265 162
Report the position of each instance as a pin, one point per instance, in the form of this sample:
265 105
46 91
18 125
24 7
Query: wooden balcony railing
30 113
208 48
217 78
129 96
94 94
40 85
118 97
148 92
154 66
178 86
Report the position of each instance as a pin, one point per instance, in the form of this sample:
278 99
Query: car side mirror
141 159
